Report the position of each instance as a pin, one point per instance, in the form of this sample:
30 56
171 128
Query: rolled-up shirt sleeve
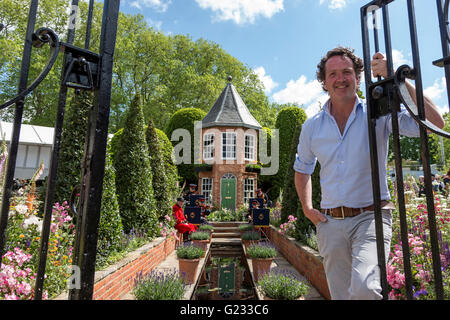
305 160
407 125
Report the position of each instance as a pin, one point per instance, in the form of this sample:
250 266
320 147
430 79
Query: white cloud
158 5
443 109
398 59
242 11
299 91
155 24
335 4
267 80
308 94
316 106
435 91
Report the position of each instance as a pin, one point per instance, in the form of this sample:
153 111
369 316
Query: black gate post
94 159
371 119
425 154
384 97
53 168
14 144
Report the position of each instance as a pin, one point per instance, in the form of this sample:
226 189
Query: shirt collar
358 104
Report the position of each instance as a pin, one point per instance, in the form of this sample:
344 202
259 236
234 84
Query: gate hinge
81 68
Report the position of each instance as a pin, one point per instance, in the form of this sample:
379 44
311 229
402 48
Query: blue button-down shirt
345 169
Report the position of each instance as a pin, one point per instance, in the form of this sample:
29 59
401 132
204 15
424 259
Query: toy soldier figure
192 190
262 195
205 210
255 205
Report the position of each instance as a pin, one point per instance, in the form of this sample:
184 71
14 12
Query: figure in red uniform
181 223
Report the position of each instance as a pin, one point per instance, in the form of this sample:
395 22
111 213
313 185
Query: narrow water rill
225 276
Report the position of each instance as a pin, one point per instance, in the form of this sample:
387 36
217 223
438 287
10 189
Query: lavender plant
262 250
159 285
282 284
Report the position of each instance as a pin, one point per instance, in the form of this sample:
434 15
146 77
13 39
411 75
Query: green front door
226 280
228 192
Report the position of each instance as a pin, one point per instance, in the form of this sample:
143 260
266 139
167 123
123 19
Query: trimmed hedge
265 182
170 168
110 227
160 187
287 121
134 175
71 150
291 202
185 118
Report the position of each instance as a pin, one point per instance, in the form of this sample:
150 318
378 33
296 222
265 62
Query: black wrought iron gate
82 70
384 96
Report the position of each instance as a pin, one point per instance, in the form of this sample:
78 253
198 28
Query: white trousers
349 250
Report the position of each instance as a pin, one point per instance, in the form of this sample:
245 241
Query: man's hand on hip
315 216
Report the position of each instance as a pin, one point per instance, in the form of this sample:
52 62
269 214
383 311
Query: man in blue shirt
337 137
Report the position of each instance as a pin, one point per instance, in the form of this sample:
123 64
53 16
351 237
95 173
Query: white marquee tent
35 145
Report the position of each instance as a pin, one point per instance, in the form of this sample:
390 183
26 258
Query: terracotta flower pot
201 244
188 269
260 267
247 244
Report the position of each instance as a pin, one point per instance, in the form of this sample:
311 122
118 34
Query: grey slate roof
230 110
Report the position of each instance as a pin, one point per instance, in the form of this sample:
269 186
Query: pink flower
11 297
424 275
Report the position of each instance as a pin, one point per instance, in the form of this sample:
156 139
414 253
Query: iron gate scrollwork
384 96
82 70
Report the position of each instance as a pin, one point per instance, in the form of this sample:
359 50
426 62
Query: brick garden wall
306 260
114 282
118 279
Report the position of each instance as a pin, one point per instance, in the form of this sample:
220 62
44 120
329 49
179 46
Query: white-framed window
208 146
207 189
249 147
229 145
249 187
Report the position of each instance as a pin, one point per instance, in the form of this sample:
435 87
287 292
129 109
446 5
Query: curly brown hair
358 64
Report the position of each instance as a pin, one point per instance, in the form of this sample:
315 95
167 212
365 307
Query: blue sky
283 40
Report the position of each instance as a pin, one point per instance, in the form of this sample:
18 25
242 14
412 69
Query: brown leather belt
346 212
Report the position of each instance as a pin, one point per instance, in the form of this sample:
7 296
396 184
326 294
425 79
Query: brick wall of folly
236 167
117 280
303 258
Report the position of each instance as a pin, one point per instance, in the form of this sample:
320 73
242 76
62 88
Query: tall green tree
160 181
134 175
169 72
40 106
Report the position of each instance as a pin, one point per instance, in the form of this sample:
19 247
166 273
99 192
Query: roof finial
230 78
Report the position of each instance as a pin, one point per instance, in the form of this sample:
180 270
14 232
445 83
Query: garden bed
304 259
118 279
